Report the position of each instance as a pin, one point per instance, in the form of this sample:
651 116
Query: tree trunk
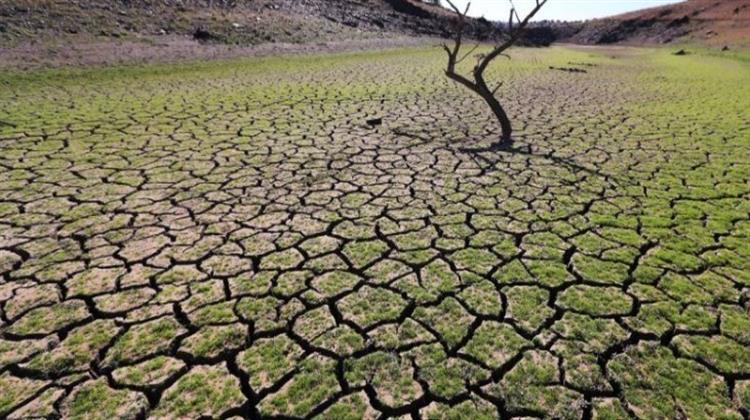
497 109
501 116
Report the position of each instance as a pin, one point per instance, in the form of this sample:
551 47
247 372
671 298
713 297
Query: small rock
236 25
202 34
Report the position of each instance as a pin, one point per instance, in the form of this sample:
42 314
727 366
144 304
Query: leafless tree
477 82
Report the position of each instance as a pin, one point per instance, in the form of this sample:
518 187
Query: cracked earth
231 239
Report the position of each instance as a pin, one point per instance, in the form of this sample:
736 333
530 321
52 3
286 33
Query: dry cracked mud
231 239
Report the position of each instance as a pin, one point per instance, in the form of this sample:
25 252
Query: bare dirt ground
75 52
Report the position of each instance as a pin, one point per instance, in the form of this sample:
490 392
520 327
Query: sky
558 9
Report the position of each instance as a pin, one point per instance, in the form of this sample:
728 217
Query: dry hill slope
37 33
715 22
227 21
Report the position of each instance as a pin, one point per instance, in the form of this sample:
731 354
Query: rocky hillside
241 22
715 22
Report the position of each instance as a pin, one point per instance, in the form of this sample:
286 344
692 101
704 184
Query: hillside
51 33
240 22
714 22
44 33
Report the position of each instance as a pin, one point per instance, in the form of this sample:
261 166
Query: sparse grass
231 234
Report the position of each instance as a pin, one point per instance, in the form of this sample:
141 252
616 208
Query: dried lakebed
232 239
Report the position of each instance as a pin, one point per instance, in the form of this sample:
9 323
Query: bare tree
477 83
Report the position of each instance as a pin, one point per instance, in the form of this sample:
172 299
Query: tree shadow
493 155
489 157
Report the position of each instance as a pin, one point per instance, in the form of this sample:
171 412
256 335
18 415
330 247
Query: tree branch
514 35
478 85
474 48
457 43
